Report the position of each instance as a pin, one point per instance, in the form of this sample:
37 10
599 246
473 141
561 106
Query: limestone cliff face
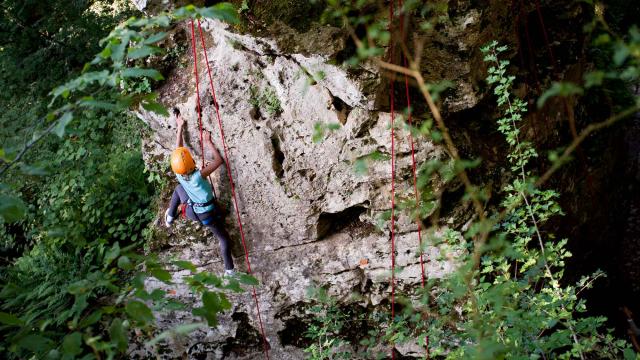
309 217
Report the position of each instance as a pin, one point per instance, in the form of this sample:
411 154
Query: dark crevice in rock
278 156
247 339
332 223
297 319
296 322
366 126
350 47
341 108
334 273
293 333
450 201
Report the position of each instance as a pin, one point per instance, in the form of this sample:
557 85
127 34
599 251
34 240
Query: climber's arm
217 159
180 122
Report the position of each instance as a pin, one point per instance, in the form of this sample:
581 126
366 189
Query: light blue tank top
198 189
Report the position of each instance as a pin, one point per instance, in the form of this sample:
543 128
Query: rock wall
309 217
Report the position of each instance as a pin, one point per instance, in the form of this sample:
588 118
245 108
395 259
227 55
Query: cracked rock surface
309 217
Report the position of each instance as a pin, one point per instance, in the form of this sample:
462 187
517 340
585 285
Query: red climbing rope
226 156
413 156
195 72
195 69
413 159
393 187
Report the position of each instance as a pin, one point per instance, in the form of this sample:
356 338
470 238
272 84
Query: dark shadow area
332 223
247 339
278 156
342 109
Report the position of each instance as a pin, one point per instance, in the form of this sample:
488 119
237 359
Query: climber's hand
179 120
207 136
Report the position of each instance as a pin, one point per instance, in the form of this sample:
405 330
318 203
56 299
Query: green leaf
33 170
178 330
211 306
225 304
360 166
629 354
142 52
105 53
59 129
593 78
234 286
437 88
72 343
91 319
334 126
248 280
78 287
223 11
138 311
184 11
119 46
9 319
186 265
160 274
140 72
155 107
35 343
559 89
621 54
124 263
12 208
119 335
112 254
98 104
155 38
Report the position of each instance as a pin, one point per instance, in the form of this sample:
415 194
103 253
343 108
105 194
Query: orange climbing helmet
181 161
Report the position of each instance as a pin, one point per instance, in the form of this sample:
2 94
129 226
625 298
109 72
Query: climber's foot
230 273
168 219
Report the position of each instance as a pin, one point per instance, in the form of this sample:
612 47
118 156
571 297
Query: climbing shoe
230 273
168 219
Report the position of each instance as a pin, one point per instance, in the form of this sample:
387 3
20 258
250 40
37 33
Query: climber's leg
217 227
178 198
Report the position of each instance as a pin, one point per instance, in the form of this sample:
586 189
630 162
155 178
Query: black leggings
215 224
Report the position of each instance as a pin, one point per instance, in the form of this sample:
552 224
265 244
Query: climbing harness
413 168
226 156
204 204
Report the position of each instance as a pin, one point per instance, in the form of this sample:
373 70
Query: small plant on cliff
325 330
265 99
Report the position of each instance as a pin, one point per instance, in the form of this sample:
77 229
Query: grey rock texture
309 218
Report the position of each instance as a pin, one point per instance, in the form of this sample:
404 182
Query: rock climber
193 197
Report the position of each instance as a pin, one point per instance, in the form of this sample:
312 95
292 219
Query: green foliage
320 130
325 331
361 165
66 299
75 206
565 89
622 64
507 299
265 99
